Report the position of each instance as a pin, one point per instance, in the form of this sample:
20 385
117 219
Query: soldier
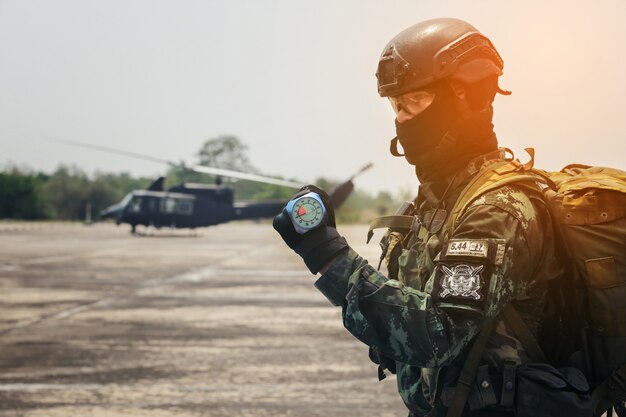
444 282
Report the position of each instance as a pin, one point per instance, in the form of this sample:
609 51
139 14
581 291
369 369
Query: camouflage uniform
424 315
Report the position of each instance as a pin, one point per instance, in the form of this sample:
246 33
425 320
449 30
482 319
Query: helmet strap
504 92
393 147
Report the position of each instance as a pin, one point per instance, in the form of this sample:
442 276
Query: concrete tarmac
226 322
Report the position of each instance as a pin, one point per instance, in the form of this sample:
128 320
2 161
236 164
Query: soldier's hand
318 246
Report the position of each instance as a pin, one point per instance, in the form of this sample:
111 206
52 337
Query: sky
294 80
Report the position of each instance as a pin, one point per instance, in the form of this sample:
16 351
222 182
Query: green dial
307 212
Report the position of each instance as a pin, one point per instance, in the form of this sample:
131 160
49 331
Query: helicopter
193 205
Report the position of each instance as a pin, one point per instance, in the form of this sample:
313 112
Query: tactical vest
588 208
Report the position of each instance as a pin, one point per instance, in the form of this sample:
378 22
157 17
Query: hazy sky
293 79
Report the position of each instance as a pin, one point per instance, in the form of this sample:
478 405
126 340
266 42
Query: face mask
440 141
423 132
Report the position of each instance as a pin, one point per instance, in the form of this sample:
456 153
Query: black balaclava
442 140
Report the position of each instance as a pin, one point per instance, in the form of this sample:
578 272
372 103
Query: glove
318 246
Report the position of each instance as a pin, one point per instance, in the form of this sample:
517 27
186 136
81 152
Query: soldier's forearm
335 278
398 321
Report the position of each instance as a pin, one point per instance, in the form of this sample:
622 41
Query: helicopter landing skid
151 231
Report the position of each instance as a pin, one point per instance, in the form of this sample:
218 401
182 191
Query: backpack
588 209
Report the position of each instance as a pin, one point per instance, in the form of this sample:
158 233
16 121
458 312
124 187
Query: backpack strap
492 178
401 221
610 392
469 371
470 367
397 222
524 335
600 397
496 175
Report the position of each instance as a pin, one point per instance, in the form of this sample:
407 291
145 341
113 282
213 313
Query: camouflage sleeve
395 320
481 267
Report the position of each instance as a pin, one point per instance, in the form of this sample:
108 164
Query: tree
67 191
226 152
229 152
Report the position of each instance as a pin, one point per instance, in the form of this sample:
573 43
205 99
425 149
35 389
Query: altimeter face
307 212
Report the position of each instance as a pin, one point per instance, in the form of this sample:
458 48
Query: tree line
63 195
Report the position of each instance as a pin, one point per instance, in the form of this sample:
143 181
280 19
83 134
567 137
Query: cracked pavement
224 321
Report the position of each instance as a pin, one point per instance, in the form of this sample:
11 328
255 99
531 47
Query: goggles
412 103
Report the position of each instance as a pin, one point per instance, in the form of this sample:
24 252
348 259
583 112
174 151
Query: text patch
474 248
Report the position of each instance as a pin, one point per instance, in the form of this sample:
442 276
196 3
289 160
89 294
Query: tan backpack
588 207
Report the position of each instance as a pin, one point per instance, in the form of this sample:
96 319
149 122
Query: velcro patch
473 248
461 280
462 285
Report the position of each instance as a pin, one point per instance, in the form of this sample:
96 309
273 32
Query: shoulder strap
493 177
601 399
610 391
398 222
524 335
470 368
496 175
402 221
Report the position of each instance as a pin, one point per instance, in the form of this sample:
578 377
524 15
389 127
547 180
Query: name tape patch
474 248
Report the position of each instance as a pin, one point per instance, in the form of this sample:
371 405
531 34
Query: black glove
318 246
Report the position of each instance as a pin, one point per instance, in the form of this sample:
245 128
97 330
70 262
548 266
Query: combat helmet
433 50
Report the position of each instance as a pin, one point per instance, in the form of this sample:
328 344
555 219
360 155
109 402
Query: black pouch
383 362
545 391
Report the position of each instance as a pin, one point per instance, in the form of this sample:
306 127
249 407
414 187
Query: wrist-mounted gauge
306 212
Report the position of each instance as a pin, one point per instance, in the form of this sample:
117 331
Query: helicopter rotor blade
244 176
197 168
362 170
340 194
343 190
115 151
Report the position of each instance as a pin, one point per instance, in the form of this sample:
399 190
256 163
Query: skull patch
461 280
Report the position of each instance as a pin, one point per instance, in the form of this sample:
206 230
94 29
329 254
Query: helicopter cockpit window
184 207
135 205
126 199
168 205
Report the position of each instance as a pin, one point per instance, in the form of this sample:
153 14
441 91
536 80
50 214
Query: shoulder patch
488 251
473 248
462 285
461 280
